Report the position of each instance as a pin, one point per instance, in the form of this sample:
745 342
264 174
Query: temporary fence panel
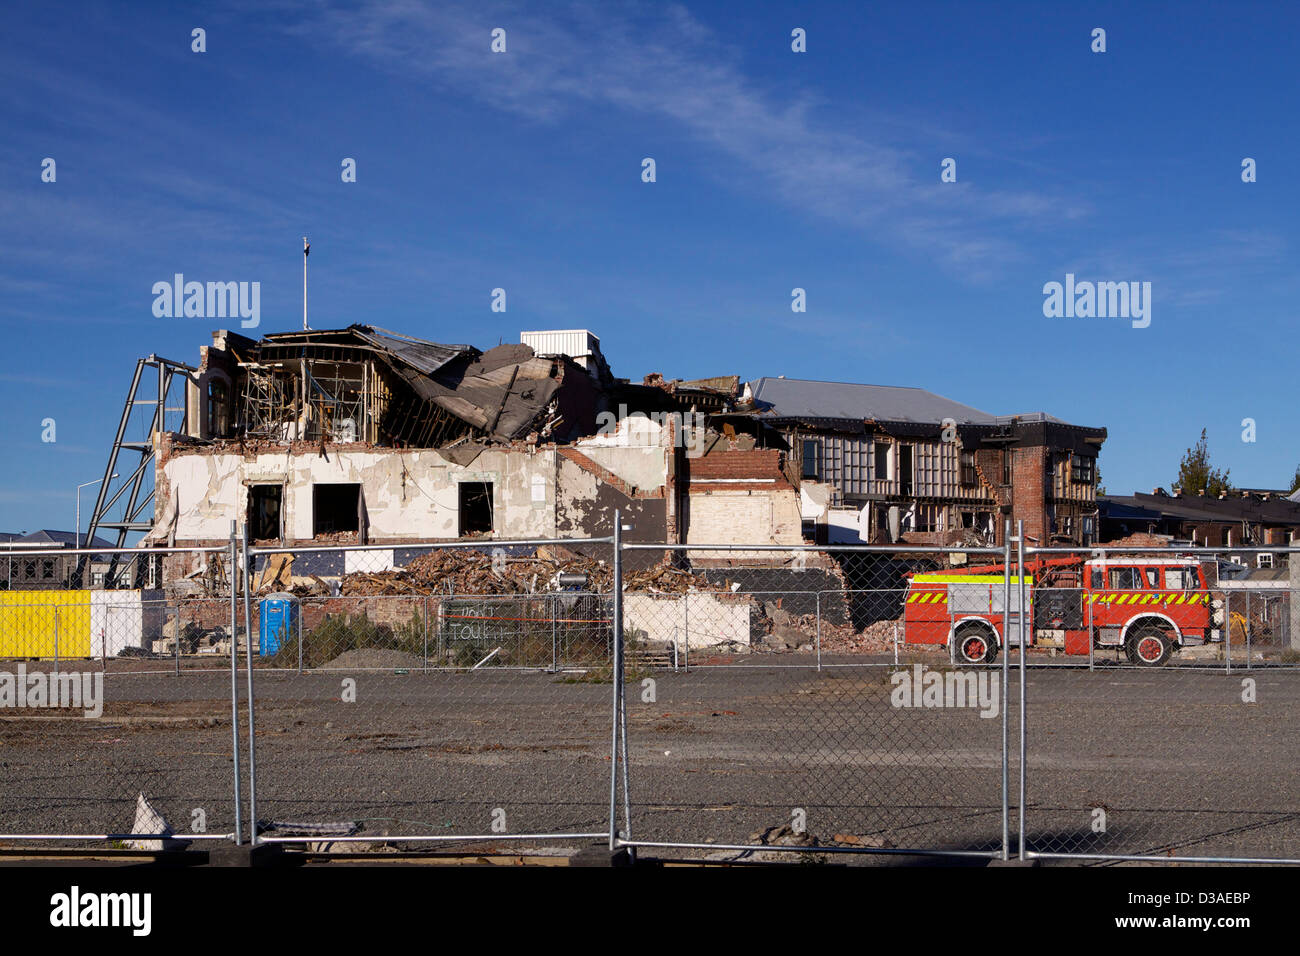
405 710
106 739
798 719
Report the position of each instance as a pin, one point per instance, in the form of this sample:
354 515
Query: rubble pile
462 571
874 638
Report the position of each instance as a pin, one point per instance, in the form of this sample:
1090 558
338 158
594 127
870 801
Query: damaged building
885 464
365 436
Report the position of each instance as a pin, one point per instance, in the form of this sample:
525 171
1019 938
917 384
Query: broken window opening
810 449
218 408
264 503
475 507
336 509
969 474
883 455
905 470
1083 470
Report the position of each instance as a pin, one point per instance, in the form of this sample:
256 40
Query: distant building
1236 520
48 569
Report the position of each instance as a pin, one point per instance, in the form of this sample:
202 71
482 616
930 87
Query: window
1182 579
1095 579
475 507
47 569
1153 578
884 452
264 512
810 456
1264 560
1006 466
1124 579
1083 471
928 518
218 408
969 476
335 509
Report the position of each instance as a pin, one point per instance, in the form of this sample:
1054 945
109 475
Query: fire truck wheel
974 645
1148 647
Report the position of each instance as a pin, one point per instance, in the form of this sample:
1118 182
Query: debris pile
465 571
876 637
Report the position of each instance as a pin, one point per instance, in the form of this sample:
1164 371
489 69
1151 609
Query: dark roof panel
801 398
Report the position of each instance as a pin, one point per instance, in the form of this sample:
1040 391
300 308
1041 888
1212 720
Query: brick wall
732 466
1029 477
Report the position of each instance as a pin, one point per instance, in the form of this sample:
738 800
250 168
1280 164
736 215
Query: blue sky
775 170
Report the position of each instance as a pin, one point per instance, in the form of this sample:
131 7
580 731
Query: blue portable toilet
278 620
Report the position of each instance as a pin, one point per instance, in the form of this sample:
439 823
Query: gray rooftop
801 398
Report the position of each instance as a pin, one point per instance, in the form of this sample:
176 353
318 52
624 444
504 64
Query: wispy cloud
665 63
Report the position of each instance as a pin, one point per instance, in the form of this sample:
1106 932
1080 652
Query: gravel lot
1174 757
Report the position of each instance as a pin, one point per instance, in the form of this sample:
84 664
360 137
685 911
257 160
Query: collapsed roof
397 389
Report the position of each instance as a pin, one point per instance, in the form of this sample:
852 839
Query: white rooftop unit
578 344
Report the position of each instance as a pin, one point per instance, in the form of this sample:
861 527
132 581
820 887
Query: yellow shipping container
35 623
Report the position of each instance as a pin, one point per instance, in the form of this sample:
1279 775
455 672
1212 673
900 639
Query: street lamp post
77 530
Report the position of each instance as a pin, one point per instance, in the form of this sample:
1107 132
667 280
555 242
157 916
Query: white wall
408 494
121 619
708 619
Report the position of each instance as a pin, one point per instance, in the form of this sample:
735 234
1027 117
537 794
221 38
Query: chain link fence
740 703
1164 736
116 711
777 703
450 694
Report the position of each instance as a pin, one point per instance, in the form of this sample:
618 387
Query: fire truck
1147 607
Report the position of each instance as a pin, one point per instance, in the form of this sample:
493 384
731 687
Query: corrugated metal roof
424 356
802 398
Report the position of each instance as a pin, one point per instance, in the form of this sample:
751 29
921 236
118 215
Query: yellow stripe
967 579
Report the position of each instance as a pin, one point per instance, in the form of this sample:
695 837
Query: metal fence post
618 678
686 631
56 640
819 630
234 682
424 653
1248 628
1227 637
1006 682
177 647
1024 653
245 569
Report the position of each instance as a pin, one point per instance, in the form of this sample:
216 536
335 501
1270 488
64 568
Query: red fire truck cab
1148 607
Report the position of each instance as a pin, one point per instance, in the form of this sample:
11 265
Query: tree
1195 476
1295 482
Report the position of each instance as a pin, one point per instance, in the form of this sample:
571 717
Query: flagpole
306 248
